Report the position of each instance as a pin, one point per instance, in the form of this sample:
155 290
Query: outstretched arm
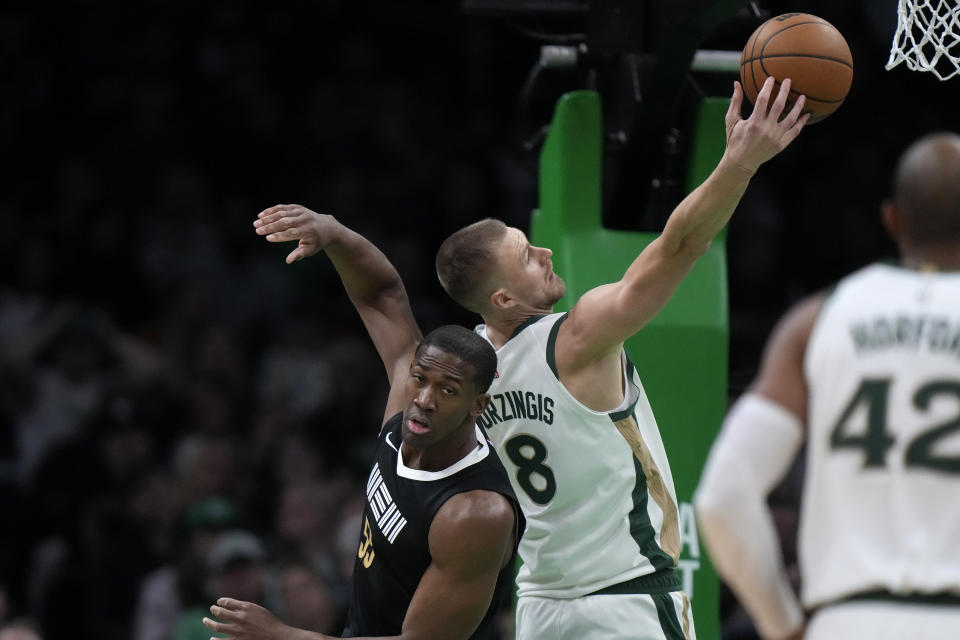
760 439
370 280
607 315
471 539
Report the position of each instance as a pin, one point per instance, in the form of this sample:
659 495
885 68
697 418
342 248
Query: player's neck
501 329
945 258
498 332
442 454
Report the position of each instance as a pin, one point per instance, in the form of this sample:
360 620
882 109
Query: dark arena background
176 400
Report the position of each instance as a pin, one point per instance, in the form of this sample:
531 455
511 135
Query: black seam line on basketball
776 87
764 67
799 55
798 24
753 73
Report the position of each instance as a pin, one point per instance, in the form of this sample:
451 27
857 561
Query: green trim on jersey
663 581
667 613
552 344
626 412
631 368
641 529
526 323
617 416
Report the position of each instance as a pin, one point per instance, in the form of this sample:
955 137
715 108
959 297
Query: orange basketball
808 50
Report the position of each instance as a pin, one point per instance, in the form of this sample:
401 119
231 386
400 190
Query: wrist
333 234
796 634
730 164
292 633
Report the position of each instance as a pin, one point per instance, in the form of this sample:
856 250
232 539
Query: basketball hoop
928 37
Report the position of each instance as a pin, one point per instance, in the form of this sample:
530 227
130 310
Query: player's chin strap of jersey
754 450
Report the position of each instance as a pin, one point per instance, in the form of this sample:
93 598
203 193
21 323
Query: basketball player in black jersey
441 523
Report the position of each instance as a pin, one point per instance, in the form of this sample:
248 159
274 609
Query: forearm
749 143
607 315
707 209
365 271
292 633
751 565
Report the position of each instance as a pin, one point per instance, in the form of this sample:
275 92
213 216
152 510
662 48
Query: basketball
808 50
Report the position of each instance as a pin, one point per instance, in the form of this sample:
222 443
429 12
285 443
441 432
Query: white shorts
883 620
641 616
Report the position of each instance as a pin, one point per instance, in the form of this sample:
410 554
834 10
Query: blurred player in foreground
868 374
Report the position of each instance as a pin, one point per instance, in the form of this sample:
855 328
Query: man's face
441 397
527 272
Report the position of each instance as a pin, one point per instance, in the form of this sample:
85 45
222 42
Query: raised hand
289 222
765 133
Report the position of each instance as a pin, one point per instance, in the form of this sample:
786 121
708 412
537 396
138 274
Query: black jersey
394 551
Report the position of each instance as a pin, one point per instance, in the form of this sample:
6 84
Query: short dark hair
469 347
927 189
467 259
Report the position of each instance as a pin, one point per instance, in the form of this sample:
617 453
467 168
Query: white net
928 37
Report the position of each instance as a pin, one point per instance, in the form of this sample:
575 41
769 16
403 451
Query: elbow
687 249
386 295
724 489
696 249
395 292
709 503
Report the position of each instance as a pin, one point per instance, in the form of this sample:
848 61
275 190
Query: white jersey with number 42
881 504
594 486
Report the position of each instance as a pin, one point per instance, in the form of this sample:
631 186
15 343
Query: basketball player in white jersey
868 374
569 417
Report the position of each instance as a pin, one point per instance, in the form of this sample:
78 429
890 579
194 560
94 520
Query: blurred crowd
182 415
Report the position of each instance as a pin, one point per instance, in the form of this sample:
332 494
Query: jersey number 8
528 454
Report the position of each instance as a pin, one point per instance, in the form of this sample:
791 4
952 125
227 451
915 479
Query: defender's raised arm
370 280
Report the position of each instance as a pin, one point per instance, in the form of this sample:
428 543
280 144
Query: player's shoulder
474 530
792 332
478 514
391 424
476 507
804 313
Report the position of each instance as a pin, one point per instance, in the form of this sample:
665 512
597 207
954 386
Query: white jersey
880 508
594 486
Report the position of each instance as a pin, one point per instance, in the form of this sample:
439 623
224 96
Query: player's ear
891 218
480 405
500 299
